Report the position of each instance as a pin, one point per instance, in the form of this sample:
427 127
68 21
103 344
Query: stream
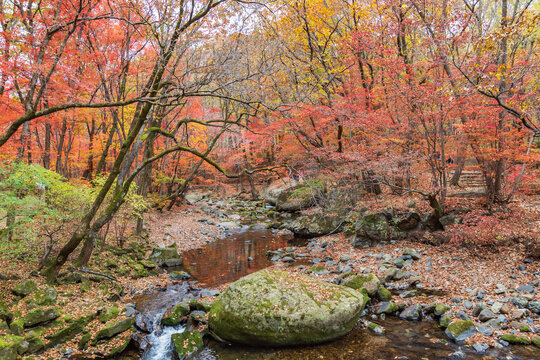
244 252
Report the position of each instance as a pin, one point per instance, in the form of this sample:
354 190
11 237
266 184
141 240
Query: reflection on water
231 258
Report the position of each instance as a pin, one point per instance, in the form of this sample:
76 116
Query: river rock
179 275
376 328
187 343
230 225
369 282
516 339
534 306
486 315
387 308
275 308
166 256
441 309
175 315
293 196
412 253
411 313
485 330
384 294
143 323
460 330
193 198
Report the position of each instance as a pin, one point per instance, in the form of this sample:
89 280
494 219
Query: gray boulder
373 229
166 256
276 308
314 225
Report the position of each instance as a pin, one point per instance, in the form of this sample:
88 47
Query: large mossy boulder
166 256
40 316
314 225
374 229
294 196
187 343
24 288
276 308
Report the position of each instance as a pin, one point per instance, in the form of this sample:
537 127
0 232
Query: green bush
36 202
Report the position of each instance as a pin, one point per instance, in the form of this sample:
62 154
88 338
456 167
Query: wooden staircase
469 178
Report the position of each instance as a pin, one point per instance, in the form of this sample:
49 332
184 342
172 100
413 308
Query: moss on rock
45 297
69 332
384 294
187 343
113 329
516 339
275 308
370 282
40 316
441 309
24 288
83 342
108 313
35 342
17 327
5 314
175 314
11 346
460 330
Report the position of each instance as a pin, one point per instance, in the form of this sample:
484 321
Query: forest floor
461 277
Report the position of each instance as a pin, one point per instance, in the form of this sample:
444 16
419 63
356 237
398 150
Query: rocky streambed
388 328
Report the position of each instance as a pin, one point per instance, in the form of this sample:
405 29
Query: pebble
486 315
484 330
480 347
458 355
526 288
462 315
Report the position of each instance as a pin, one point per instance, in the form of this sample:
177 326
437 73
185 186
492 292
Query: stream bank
250 250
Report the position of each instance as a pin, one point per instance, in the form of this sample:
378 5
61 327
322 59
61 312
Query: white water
160 340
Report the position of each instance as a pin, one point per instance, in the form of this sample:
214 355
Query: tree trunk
60 146
86 252
47 147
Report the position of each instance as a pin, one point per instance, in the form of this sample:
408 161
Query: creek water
230 258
